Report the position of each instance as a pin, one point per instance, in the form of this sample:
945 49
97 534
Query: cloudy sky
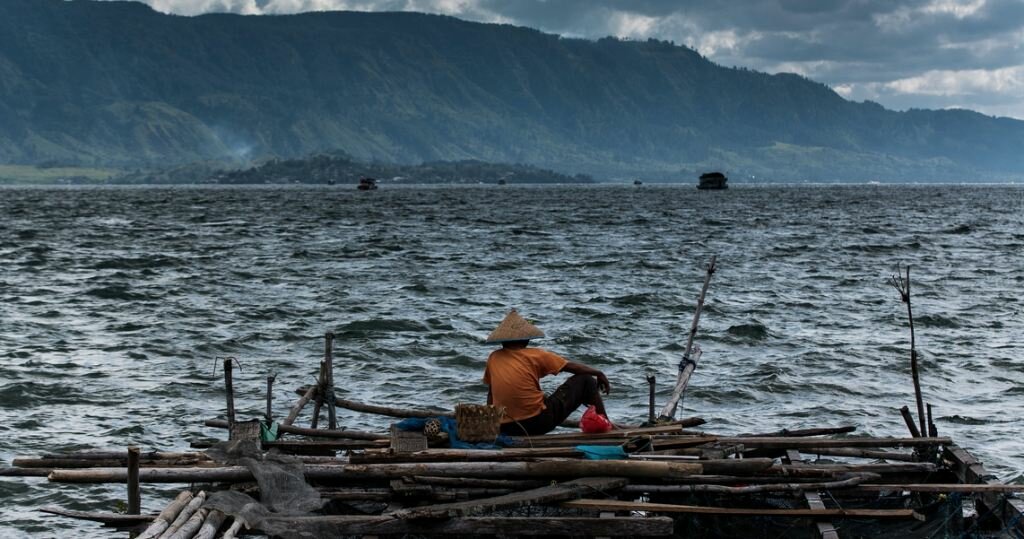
900 53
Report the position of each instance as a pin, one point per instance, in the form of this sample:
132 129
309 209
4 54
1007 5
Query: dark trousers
578 389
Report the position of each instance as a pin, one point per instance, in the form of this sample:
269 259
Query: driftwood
688 363
909 420
185 515
549 494
192 525
144 456
109 519
940 487
211 525
474 482
52 463
858 452
801 433
477 526
235 528
317 433
612 505
168 515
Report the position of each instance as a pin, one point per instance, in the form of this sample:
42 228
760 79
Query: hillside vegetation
116 84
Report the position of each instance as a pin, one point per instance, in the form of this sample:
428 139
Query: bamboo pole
134 494
851 480
691 354
903 286
932 429
192 525
319 402
613 505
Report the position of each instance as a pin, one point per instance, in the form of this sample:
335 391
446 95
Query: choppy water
115 304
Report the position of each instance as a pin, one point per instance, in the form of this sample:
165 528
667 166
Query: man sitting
513 375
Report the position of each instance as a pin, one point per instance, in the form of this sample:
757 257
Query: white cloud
957 8
1008 80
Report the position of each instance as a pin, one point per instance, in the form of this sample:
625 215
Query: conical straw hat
514 328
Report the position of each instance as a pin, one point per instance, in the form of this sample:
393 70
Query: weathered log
294 445
119 454
464 455
236 527
211 525
487 526
109 519
24 472
548 494
688 364
317 433
230 396
320 394
549 469
192 525
674 427
882 468
168 515
185 515
651 418
52 463
658 442
614 505
851 481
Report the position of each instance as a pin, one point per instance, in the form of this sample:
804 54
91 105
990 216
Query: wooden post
650 400
270 398
687 364
319 402
332 419
933 431
230 397
908 418
134 494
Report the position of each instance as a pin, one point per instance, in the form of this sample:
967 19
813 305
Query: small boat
502 181
637 182
713 180
367 184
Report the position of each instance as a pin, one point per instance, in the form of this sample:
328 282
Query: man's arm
579 368
490 399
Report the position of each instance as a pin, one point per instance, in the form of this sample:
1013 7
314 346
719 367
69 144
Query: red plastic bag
593 422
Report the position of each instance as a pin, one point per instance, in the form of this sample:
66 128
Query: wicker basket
478 422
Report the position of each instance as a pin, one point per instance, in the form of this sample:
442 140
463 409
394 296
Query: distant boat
330 181
637 182
713 180
367 184
502 181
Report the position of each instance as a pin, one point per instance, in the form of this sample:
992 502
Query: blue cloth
449 425
602 452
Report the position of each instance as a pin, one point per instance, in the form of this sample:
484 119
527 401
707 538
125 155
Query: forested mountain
118 84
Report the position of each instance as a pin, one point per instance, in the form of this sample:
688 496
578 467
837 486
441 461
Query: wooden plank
826 529
547 494
1010 511
109 519
483 526
317 433
615 505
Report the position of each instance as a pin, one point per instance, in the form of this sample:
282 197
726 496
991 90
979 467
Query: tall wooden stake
650 401
229 387
332 419
134 493
903 287
688 363
270 398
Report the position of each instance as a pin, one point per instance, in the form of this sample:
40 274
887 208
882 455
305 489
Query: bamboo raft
667 479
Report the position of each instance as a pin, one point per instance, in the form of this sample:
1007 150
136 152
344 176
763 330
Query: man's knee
586 382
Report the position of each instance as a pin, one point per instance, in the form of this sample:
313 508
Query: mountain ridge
119 84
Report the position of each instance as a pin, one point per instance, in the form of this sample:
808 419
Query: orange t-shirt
514 376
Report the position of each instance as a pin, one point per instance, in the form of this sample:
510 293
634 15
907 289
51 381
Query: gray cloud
901 53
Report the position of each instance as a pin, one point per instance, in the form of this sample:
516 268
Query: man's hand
602 383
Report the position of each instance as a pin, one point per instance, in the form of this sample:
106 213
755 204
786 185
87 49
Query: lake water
116 304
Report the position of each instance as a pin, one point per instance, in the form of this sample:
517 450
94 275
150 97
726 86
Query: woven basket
478 422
